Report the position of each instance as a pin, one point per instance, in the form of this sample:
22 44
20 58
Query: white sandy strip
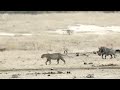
89 29
12 34
7 34
27 34
79 28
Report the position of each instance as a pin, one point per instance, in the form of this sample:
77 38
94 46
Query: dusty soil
22 57
29 65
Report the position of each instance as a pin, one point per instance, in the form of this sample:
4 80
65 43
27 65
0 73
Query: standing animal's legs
114 55
102 56
63 60
105 56
46 61
49 61
111 56
58 61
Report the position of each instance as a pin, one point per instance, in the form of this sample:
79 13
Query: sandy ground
62 74
29 65
27 37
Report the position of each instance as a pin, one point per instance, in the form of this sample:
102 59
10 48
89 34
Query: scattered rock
15 76
19 57
74 77
90 76
93 65
77 54
48 74
2 49
51 69
1 61
90 63
94 52
85 55
68 72
52 72
36 73
109 65
85 63
59 72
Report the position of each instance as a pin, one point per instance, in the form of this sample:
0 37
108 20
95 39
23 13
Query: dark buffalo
106 51
54 56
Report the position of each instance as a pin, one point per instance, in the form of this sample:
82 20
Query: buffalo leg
111 57
114 56
102 56
46 61
105 56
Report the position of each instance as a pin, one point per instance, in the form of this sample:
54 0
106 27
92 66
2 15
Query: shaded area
41 12
81 68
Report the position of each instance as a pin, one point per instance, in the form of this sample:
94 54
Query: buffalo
106 51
